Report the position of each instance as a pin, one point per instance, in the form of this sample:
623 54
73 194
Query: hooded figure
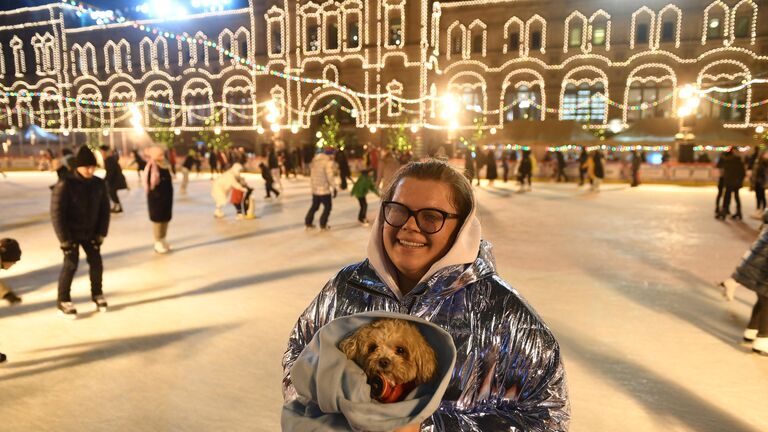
508 373
222 185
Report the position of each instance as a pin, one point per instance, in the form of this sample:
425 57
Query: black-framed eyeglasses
429 220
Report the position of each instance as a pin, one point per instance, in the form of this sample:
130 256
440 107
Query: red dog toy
385 392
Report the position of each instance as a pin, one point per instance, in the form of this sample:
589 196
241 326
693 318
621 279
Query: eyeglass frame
414 213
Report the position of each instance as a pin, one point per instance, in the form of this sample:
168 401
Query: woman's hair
461 197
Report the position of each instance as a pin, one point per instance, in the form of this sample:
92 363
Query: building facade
379 64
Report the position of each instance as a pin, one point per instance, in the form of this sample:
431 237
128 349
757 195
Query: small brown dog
393 354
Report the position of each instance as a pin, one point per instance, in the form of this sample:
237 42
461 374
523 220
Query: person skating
186 167
752 274
360 189
158 183
491 172
66 165
583 158
139 162
759 181
733 179
344 171
114 178
323 185
221 187
10 254
595 170
213 161
274 166
636 163
561 176
80 217
525 172
242 201
266 174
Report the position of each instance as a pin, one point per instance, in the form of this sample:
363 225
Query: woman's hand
409 428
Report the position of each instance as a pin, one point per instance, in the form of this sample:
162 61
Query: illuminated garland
699 148
620 148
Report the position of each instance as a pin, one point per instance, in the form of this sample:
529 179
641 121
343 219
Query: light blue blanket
333 391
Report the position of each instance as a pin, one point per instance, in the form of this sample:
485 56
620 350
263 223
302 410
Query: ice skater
186 167
80 217
223 184
752 274
636 163
733 179
269 182
345 173
158 183
10 254
242 201
323 187
525 172
114 178
759 180
360 189
491 172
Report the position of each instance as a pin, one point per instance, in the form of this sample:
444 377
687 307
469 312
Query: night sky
104 4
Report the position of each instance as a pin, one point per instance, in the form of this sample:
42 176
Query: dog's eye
399 350
371 348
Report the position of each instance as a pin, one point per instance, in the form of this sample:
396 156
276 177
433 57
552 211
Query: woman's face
410 250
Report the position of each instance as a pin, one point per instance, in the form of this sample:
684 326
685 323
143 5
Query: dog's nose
384 363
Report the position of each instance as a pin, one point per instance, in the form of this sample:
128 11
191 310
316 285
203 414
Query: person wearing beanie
10 254
114 178
80 217
158 184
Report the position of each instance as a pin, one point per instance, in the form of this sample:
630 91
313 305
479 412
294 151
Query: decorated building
536 71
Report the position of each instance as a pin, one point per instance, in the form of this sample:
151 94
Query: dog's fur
392 348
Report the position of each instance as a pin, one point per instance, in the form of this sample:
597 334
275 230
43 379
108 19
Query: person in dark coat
561 167
186 167
213 161
470 170
636 161
491 172
505 165
274 165
583 156
759 180
344 171
266 174
158 183
114 177
140 163
10 254
752 274
525 171
80 217
733 179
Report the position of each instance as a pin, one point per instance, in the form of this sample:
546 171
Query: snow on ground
194 339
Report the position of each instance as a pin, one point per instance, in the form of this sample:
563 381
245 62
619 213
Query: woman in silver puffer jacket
426 258
752 274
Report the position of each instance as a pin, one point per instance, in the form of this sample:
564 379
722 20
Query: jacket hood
333 393
465 250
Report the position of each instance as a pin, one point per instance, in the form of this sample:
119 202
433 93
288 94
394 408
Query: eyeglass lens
428 221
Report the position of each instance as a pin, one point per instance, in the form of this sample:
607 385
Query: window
395 31
580 104
277 42
714 28
456 45
741 27
238 111
333 37
536 40
598 35
649 93
725 113
668 31
477 44
353 35
313 38
574 37
243 49
524 103
641 33
514 41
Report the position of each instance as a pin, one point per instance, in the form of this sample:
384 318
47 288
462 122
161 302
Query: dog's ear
350 346
425 361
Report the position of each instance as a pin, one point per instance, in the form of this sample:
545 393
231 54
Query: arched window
523 101
394 22
478 34
238 95
642 28
275 31
668 26
513 31
647 96
457 35
310 13
744 21
580 103
575 31
535 35
19 62
352 19
715 24
162 113
599 31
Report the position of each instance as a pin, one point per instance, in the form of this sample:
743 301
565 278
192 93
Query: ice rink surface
193 340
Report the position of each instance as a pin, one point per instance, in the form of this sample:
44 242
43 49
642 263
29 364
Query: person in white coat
222 185
323 186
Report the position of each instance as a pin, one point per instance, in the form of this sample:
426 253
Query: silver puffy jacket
508 375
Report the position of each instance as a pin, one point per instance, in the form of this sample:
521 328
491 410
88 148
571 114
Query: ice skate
760 346
100 302
67 310
3 358
310 227
749 335
758 214
218 214
160 248
12 298
728 289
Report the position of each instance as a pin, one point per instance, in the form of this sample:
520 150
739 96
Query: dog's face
392 348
